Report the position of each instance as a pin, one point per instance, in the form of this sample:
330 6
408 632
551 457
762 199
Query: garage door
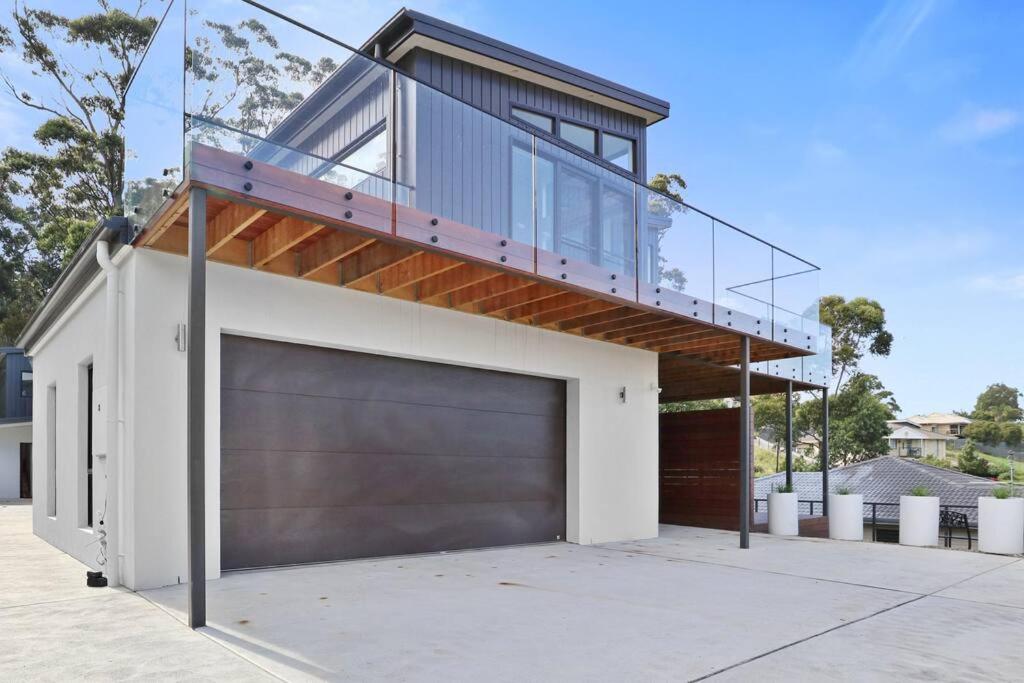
331 455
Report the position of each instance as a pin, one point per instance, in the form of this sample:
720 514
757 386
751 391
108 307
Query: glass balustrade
226 82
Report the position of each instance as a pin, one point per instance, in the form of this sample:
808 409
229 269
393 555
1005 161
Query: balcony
325 164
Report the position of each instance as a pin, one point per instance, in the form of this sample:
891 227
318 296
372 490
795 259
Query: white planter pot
919 520
782 514
846 517
1001 525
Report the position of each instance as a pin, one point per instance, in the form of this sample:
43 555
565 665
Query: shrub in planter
782 512
1001 523
919 518
845 515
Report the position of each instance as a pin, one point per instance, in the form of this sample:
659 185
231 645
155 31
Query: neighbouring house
942 423
908 439
15 424
430 306
882 481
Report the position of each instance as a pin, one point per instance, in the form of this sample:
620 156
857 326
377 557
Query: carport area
684 606
687 605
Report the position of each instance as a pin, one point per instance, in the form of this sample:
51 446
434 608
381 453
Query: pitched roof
907 431
940 419
884 480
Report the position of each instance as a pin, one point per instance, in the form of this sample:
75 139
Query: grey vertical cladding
13 404
463 168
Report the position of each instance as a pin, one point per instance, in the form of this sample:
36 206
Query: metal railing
948 531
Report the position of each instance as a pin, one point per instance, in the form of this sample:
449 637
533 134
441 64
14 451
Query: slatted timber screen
699 469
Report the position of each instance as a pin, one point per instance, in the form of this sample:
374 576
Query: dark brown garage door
330 455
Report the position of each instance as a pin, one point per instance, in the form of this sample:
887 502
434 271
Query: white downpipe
113 460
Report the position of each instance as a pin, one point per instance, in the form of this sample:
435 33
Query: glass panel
795 300
270 80
581 136
743 280
545 123
154 121
818 368
349 177
463 164
617 150
593 211
676 254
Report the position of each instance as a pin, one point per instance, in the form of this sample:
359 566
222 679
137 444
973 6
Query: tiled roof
884 480
905 431
940 419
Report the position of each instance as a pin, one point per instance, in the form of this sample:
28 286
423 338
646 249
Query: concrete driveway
684 606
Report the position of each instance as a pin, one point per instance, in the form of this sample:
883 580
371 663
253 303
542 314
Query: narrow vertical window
88 446
51 450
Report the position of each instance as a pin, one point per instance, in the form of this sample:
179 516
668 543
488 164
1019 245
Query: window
26 384
51 450
86 449
545 123
364 168
618 150
581 136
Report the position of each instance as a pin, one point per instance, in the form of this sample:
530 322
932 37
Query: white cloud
886 36
826 152
1012 285
974 124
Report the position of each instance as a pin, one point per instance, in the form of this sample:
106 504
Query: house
944 423
428 306
909 439
15 424
882 481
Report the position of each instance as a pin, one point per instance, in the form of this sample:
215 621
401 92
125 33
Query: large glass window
26 384
581 136
545 123
618 150
371 156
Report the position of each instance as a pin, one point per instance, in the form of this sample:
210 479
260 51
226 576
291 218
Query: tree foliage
969 462
858 328
686 406
998 403
858 420
53 192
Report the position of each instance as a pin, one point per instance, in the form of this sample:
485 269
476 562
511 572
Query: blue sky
883 141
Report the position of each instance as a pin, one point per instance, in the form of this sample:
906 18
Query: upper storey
430 153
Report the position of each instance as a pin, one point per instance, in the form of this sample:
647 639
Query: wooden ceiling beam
503 302
447 282
662 323
467 296
328 250
552 317
410 271
281 237
666 333
232 219
621 326
177 209
596 318
361 270
562 300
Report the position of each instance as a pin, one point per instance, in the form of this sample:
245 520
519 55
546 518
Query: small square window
618 150
545 123
581 136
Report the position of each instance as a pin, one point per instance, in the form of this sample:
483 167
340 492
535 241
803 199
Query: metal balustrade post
196 407
789 434
824 451
745 442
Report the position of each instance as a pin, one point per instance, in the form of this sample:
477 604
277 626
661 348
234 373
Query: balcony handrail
561 144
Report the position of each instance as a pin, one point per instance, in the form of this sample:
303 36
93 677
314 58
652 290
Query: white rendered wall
612 447
76 341
11 438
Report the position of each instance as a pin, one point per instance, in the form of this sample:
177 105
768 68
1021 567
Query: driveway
684 606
